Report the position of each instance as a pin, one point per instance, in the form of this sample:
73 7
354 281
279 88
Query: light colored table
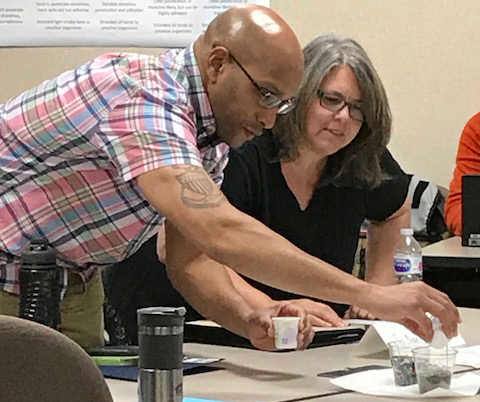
252 375
355 397
453 269
451 253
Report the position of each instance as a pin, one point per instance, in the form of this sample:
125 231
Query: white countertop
452 248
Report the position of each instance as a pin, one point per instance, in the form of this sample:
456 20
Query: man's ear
218 59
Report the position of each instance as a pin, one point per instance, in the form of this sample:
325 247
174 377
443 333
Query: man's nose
268 117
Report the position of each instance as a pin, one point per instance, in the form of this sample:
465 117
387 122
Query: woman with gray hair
323 170
314 178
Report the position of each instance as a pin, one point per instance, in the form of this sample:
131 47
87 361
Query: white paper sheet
156 23
469 356
380 333
381 383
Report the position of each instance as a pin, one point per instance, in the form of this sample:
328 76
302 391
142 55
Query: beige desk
453 269
451 250
354 397
251 375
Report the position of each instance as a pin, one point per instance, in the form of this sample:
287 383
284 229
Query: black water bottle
160 341
39 279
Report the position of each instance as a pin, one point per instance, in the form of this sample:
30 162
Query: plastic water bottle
407 260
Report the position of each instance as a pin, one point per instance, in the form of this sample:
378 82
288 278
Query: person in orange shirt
468 162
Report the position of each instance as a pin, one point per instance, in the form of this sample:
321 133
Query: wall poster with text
148 23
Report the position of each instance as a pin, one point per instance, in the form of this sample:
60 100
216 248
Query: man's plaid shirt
71 148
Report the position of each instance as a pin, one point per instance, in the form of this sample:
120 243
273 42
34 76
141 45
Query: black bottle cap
38 252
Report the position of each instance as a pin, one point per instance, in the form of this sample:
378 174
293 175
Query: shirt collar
206 127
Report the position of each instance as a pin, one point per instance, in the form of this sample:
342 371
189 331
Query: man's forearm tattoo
198 190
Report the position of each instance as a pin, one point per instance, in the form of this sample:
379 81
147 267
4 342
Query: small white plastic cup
286 332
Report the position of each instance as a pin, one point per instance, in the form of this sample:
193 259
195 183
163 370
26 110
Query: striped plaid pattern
71 148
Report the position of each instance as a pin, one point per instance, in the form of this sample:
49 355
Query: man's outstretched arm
207 286
321 314
192 202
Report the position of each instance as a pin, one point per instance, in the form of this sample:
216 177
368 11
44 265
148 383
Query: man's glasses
268 99
335 103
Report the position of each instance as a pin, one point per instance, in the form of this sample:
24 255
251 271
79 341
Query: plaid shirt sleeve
220 159
143 135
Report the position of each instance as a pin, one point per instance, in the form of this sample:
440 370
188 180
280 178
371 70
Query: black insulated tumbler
160 341
39 279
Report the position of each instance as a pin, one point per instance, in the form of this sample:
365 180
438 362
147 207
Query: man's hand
356 312
261 331
407 304
321 315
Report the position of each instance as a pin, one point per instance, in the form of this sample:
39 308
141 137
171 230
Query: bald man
97 158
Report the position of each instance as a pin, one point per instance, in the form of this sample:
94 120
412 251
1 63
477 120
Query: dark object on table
127 350
216 335
160 341
470 209
39 280
350 370
123 362
190 366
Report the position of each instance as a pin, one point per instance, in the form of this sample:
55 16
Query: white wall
428 55
426 51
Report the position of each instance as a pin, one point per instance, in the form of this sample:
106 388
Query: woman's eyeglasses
335 103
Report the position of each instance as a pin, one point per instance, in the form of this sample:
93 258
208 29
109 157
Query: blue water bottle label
408 265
